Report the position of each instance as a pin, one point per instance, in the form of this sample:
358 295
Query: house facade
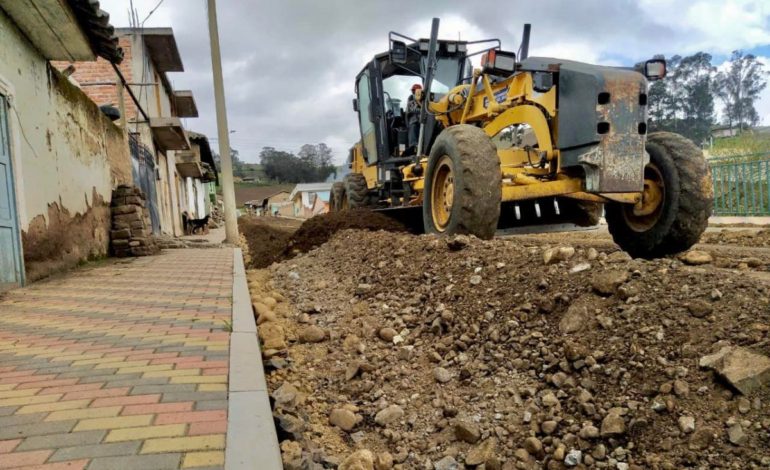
60 156
151 112
310 199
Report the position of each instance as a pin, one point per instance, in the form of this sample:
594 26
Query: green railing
741 185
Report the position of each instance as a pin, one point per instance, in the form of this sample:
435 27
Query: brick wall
102 71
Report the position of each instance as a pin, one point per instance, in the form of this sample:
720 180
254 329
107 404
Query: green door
11 274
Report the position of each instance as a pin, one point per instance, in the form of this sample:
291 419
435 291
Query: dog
186 226
201 225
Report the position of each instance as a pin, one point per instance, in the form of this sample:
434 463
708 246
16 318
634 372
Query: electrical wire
21 127
151 12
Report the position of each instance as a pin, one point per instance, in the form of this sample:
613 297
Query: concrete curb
251 438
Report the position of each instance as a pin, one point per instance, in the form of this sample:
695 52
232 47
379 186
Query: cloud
290 66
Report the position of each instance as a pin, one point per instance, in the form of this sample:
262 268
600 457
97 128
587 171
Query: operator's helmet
416 86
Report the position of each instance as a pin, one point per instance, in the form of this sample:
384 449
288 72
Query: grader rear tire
356 191
463 186
337 197
679 178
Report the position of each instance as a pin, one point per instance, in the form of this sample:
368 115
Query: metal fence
145 175
741 185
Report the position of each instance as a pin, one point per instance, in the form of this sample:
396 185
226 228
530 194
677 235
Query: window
368 135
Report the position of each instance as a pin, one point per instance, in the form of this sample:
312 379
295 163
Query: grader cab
521 140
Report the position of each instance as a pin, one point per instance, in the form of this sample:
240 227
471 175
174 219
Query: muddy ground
389 350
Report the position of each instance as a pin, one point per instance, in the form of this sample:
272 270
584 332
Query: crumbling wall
67 156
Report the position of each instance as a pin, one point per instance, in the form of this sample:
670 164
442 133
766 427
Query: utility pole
228 189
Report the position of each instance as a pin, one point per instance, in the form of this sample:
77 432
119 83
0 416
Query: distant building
310 199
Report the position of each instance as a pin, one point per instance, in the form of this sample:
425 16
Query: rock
549 400
447 463
261 309
533 446
699 308
744 405
555 255
383 461
266 317
387 334
344 419
736 435
272 336
312 334
696 257
482 452
607 282
458 242
743 369
286 396
580 267
358 460
574 319
291 454
548 427
467 432
441 375
592 254
362 289
573 458
475 280
613 425
686 424
701 439
389 415
716 294
681 388
270 302
589 432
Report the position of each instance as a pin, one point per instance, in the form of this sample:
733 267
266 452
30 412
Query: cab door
371 115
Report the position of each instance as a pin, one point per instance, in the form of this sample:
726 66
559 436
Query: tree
739 87
313 163
238 164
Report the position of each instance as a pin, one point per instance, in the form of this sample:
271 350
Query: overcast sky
289 65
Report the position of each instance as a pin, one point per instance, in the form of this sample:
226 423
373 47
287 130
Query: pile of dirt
317 230
387 350
266 239
750 238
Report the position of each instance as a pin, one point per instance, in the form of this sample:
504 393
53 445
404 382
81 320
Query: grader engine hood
602 122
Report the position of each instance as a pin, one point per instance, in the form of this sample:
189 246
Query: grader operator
522 140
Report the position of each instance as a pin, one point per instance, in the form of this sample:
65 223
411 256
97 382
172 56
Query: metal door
144 173
11 274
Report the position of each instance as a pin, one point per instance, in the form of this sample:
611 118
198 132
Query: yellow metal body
527 173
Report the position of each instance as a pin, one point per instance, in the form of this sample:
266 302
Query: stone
458 242
467 432
736 435
358 460
362 289
681 388
696 257
272 336
387 334
286 396
744 405
260 308
447 463
548 427
745 370
573 458
699 308
589 432
481 453
592 254
613 425
701 439
549 400
475 280
312 334
270 302
533 446
344 419
607 282
555 255
441 375
388 415
291 453
686 424
580 267
574 319
266 317
383 461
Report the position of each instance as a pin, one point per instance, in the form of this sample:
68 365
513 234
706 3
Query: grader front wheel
676 201
462 184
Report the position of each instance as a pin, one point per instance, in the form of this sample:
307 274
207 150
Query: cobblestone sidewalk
123 366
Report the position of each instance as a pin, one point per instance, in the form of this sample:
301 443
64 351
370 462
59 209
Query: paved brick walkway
119 367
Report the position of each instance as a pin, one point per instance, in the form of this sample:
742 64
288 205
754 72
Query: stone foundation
131 233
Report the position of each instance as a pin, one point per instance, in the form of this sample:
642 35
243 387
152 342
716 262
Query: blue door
10 251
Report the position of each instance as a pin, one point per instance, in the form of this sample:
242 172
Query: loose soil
432 353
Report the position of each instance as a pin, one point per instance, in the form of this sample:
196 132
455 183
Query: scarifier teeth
556 207
537 209
518 211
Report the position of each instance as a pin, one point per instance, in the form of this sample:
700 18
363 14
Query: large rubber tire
336 198
687 202
356 191
477 188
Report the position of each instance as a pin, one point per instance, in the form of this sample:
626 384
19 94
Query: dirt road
389 350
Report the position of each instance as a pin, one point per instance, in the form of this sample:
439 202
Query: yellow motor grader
521 140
